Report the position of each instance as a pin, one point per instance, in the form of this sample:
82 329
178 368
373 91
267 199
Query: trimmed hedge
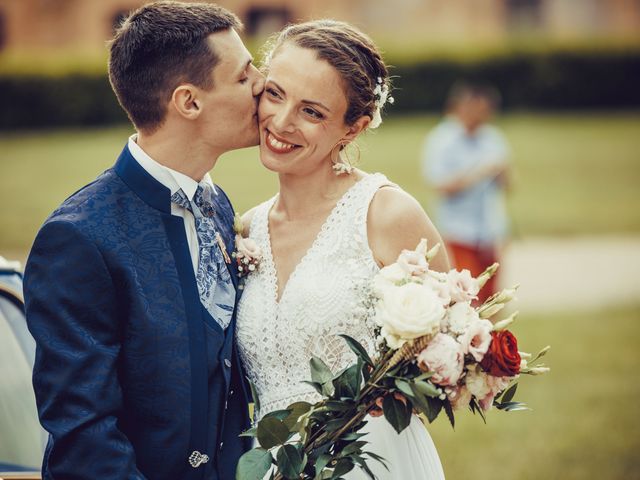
543 81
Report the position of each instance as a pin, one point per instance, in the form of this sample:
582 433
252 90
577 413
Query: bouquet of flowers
436 352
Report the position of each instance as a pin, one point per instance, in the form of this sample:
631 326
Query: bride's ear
357 128
186 102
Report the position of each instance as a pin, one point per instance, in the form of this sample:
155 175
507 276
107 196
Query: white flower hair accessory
381 95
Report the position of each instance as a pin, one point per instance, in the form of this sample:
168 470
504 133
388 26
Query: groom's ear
357 128
186 102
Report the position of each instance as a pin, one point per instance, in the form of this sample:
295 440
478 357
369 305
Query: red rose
502 359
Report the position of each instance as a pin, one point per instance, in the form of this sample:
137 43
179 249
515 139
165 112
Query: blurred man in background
467 161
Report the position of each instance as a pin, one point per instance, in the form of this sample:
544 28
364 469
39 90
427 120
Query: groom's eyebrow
303 101
245 66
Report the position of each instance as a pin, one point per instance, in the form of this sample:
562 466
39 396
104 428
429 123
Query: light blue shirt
477 215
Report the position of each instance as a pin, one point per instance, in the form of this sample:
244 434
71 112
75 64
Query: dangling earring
341 163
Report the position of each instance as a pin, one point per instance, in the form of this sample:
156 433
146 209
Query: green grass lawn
575 174
583 423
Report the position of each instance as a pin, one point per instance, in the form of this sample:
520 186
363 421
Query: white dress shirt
174 181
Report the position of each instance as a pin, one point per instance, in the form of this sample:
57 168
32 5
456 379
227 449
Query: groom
129 289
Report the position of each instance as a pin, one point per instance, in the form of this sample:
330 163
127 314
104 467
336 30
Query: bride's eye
272 93
313 113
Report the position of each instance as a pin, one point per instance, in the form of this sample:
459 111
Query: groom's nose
258 83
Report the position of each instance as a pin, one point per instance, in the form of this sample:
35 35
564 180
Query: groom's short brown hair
158 47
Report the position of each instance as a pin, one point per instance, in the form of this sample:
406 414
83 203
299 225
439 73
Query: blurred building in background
86 24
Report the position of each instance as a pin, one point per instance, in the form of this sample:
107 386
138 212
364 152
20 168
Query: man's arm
71 309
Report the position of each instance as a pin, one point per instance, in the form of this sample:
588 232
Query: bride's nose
283 119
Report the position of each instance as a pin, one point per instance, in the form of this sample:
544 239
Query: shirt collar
168 177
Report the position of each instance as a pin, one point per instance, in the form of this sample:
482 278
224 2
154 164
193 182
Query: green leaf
363 465
291 461
509 393
252 432
347 384
353 447
254 464
344 465
450 416
358 349
295 411
279 414
320 372
378 458
254 394
338 405
322 461
427 388
423 376
396 412
404 387
317 386
272 432
335 424
435 405
352 436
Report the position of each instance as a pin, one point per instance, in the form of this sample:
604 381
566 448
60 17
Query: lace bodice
322 298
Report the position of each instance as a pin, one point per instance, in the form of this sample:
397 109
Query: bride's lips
277 144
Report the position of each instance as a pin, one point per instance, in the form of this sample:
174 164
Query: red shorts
476 260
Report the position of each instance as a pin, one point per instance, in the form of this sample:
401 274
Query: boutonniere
247 252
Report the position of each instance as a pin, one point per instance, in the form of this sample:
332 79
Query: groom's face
230 114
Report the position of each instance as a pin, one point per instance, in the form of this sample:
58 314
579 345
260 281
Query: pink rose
246 247
462 286
476 339
443 356
485 387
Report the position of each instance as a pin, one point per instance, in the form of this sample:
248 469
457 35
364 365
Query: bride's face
301 112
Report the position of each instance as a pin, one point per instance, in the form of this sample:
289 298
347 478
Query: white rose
408 311
443 356
388 277
459 318
476 339
462 286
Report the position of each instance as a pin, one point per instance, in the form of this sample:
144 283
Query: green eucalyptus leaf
322 461
252 432
396 412
344 465
320 372
295 411
317 386
254 464
358 349
347 384
272 432
279 414
353 447
404 387
291 461
426 388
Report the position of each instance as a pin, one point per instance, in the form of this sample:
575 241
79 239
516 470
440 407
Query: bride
327 232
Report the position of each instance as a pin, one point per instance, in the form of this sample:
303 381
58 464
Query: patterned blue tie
216 290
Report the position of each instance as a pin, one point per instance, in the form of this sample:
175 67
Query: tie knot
204 200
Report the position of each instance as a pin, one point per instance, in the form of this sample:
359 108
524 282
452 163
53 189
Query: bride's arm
395 222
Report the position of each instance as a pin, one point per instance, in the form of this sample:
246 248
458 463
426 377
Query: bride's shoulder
396 221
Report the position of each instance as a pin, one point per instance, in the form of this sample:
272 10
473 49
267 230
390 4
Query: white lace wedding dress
321 299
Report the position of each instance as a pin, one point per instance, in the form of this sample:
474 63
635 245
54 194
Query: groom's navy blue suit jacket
131 375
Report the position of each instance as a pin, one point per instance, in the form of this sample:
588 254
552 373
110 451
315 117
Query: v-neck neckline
279 294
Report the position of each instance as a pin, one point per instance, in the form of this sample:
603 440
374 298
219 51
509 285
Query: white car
22 439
